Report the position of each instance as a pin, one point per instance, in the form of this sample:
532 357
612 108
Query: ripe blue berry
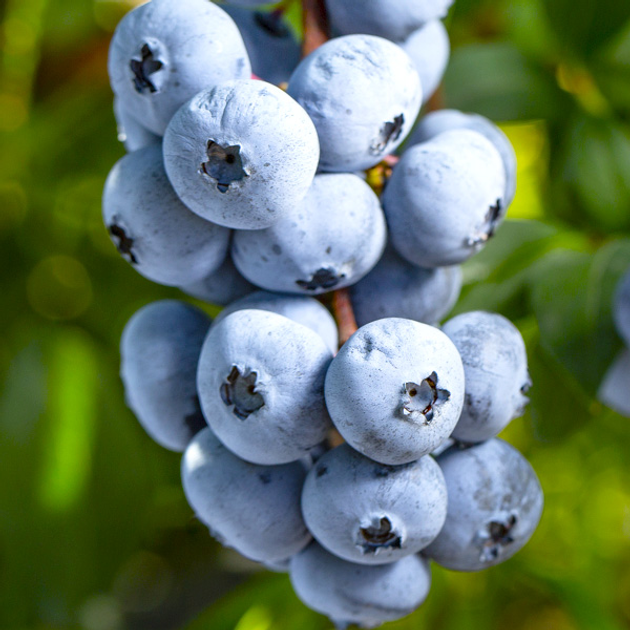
132 133
494 504
495 365
334 237
253 509
159 352
392 19
396 288
153 229
165 51
621 308
360 594
613 390
443 120
429 48
301 309
261 382
273 49
443 200
370 513
363 94
395 390
242 154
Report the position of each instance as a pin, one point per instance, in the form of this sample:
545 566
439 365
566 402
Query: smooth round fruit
363 94
393 19
621 308
359 594
395 390
369 513
334 237
443 200
261 383
435 123
253 509
495 364
153 229
242 154
165 51
301 309
159 351
429 48
494 504
396 288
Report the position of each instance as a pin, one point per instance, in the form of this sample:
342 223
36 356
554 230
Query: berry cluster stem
344 315
315 22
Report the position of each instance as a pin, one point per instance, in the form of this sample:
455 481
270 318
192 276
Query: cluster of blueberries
231 185
613 390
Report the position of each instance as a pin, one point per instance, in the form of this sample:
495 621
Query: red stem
315 21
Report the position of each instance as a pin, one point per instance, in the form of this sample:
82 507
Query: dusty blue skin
253 509
159 351
429 48
166 51
358 594
301 309
130 132
363 94
396 390
494 504
260 381
392 19
495 365
334 237
442 120
369 513
396 288
153 230
614 391
222 287
443 201
242 154
273 50
621 308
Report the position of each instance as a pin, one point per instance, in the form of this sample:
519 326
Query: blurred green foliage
94 530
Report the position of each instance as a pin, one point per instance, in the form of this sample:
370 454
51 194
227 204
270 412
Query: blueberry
242 154
429 48
396 288
260 382
166 51
494 504
152 229
301 309
395 390
335 236
350 593
437 122
273 49
253 509
495 365
392 19
614 391
159 351
370 513
132 133
223 286
621 307
363 94
443 200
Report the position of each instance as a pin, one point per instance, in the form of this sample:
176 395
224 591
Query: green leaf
499 82
590 175
585 25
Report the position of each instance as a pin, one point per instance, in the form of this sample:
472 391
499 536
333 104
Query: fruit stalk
315 22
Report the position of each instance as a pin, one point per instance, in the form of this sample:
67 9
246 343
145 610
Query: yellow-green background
94 529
